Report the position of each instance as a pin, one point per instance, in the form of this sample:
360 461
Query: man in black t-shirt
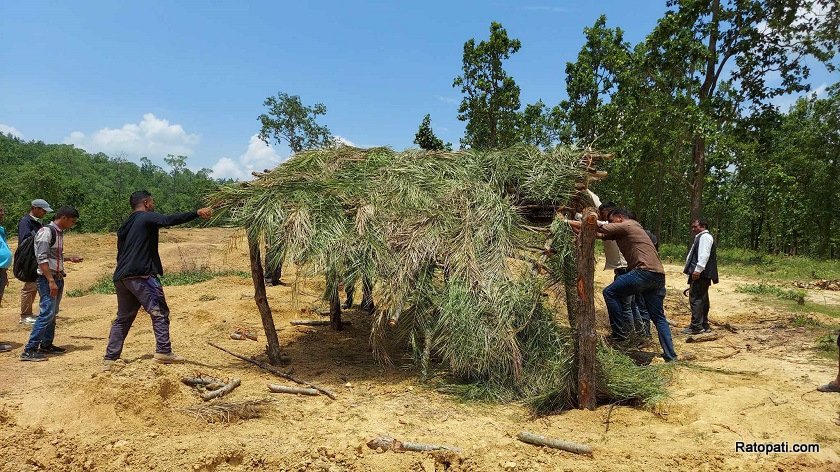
137 276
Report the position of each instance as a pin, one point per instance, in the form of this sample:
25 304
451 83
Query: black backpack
26 265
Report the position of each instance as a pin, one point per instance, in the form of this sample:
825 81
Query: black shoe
707 329
51 349
32 356
691 331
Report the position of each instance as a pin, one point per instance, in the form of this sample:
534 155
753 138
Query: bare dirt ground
757 385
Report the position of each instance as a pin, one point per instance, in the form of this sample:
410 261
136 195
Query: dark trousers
4 279
641 317
132 293
698 298
621 323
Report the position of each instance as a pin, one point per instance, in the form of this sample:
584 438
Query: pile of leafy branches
444 237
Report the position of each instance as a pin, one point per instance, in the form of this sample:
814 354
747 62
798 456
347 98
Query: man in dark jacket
136 276
701 269
28 226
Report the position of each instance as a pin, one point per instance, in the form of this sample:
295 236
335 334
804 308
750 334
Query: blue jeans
43 331
641 317
621 325
651 286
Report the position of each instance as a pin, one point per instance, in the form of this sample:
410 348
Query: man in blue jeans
645 275
49 252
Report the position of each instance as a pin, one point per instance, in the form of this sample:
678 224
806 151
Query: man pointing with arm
137 276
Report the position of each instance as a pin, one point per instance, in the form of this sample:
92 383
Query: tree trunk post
258 277
586 342
335 303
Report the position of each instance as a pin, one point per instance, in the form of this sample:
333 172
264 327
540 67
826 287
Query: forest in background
689 112
96 184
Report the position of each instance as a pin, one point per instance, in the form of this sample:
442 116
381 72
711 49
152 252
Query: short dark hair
623 212
67 211
607 206
138 197
702 222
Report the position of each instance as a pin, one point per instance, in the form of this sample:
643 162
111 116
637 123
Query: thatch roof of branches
458 266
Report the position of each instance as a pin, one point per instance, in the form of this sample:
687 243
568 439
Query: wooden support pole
335 305
586 338
258 277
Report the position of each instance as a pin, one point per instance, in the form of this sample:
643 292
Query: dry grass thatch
446 239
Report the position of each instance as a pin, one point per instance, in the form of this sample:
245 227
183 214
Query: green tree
426 139
592 80
491 96
288 121
700 45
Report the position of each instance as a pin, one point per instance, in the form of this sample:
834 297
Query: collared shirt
614 259
634 244
703 241
28 226
54 255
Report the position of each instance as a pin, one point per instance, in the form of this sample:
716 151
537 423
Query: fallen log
275 371
699 338
207 382
314 322
275 388
538 440
387 443
221 391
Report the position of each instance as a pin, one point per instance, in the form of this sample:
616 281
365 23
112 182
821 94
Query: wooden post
335 302
586 342
258 277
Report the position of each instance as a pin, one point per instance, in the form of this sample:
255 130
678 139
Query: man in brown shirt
645 276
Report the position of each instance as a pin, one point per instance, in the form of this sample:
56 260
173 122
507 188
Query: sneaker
170 358
30 320
32 356
109 365
5 347
707 329
690 330
51 349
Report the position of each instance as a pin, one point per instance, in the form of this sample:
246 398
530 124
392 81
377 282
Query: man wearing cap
28 226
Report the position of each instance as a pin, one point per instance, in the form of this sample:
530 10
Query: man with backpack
28 226
48 246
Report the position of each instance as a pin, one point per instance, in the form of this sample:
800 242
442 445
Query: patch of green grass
825 346
768 289
804 321
105 285
746 262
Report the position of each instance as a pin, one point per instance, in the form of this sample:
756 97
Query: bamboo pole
273 347
586 342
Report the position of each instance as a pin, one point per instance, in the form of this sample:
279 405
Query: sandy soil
65 414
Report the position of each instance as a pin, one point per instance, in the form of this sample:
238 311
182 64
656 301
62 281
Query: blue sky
189 77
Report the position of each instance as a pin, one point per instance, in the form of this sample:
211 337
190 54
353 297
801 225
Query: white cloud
257 157
344 141
447 99
152 137
6 129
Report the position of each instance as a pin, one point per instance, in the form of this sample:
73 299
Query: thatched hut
461 249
